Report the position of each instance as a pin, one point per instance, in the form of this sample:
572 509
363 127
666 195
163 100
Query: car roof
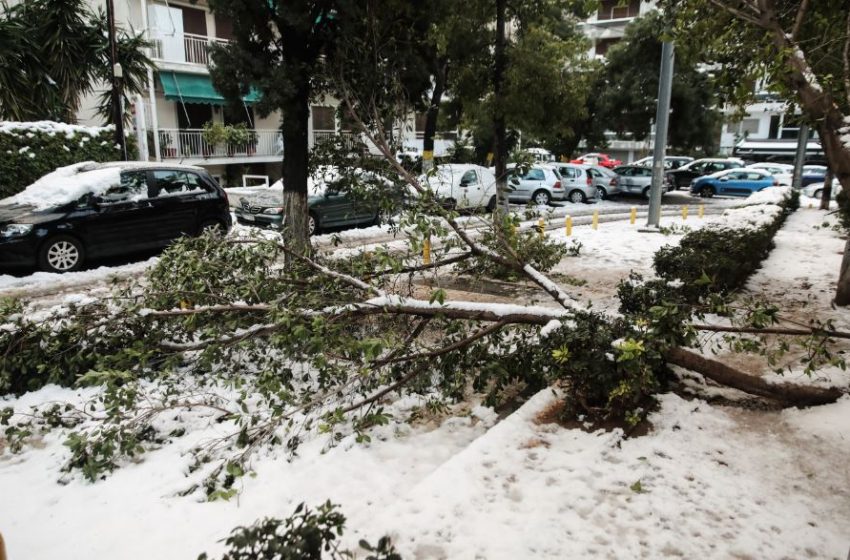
147 165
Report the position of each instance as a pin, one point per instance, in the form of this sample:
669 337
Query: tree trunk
787 394
440 76
500 148
296 115
826 194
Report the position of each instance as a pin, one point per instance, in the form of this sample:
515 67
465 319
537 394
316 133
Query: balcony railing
189 143
349 141
184 47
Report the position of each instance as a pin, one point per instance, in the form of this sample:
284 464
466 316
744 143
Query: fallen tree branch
788 394
773 330
418 268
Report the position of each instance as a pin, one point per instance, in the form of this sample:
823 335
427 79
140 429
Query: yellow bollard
426 251
568 224
701 210
595 224
684 213
541 227
633 216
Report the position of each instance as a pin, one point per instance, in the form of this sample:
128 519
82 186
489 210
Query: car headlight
15 230
273 211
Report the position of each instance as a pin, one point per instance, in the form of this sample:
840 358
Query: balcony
188 145
349 141
183 48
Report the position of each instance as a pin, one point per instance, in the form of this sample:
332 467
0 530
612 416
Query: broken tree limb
772 330
788 394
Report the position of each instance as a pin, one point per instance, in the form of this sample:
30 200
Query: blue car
813 174
732 182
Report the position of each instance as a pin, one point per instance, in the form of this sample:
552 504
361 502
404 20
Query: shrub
31 150
304 535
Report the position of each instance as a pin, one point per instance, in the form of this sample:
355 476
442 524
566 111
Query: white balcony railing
349 140
189 143
183 47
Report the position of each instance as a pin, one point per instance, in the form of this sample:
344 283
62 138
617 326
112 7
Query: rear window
535 175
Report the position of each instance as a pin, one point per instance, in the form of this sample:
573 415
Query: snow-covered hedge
722 256
29 150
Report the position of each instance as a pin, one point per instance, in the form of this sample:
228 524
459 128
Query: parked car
462 186
538 184
597 159
670 162
733 182
603 181
815 190
91 210
683 176
783 172
329 205
813 174
578 181
637 179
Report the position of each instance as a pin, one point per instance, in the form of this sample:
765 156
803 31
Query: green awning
196 88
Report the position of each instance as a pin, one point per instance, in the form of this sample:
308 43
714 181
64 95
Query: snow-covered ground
706 482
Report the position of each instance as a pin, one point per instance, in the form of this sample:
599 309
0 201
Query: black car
108 209
683 176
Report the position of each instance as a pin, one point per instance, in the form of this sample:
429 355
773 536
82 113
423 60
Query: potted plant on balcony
238 138
213 135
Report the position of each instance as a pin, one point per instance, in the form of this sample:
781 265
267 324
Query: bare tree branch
772 330
798 22
749 17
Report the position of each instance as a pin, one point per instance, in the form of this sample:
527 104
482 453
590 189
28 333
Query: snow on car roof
68 184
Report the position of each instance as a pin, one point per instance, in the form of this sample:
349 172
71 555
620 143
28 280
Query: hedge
29 150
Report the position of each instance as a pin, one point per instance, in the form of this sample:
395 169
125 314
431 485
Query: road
99 277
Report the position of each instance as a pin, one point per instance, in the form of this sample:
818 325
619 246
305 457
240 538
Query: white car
815 190
579 181
783 172
538 184
462 186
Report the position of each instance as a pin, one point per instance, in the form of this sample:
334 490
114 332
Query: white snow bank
51 128
770 195
499 309
68 184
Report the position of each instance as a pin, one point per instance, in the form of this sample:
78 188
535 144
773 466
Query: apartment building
180 98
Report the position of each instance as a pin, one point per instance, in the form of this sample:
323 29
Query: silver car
636 179
577 181
604 181
539 184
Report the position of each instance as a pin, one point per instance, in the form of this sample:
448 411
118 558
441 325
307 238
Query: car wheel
541 198
491 205
62 253
601 194
577 197
817 194
707 191
215 227
645 192
312 224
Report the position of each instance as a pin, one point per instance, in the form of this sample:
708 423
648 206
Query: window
602 45
469 178
568 172
617 9
323 118
716 166
755 176
535 175
133 186
175 183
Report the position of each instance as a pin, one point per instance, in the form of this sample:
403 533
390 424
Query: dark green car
329 209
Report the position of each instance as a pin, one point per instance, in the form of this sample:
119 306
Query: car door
123 219
336 208
470 190
734 183
570 178
177 197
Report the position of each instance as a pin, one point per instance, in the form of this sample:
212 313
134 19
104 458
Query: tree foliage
55 52
627 87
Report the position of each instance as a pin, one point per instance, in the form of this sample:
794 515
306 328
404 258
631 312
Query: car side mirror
514 181
464 184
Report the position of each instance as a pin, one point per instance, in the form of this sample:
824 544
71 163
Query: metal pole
662 116
800 156
116 75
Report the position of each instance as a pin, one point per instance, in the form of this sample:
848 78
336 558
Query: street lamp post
662 117
117 75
